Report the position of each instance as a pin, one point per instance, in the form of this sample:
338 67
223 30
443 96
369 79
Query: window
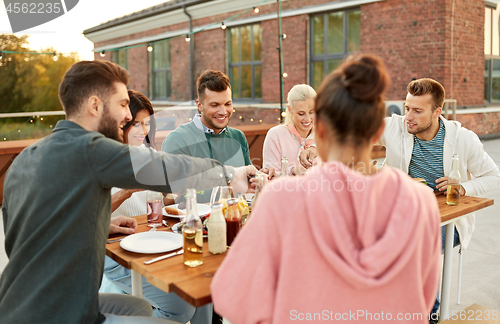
160 70
245 65
491 56
334 36
120 57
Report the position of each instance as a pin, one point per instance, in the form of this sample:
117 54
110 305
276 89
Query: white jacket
479 172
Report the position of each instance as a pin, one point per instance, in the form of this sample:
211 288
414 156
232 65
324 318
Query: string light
283 114
251 119
283 36
285 75
188 39
260 121
241 117
150 48
103 53
223 26
256 9
55 58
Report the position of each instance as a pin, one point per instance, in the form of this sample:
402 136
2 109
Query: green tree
11 73
29 82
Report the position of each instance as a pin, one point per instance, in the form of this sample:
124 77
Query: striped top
427 158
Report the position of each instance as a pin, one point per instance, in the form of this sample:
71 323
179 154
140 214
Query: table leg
448 258
136 284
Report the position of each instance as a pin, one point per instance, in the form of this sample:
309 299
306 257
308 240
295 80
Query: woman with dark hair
141 129
345 241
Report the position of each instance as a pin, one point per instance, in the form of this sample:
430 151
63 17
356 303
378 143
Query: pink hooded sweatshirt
334 245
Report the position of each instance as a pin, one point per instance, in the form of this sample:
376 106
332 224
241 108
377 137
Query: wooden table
170 275
450 214
193 284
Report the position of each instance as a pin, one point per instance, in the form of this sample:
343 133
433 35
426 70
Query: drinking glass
243 207
154 202
220 195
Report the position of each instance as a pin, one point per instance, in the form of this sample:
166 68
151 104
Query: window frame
325 57
116 55
167 70
253 63
490 58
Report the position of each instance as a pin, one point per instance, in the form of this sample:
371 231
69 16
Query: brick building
453 41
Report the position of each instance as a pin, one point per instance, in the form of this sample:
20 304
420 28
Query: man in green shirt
208 134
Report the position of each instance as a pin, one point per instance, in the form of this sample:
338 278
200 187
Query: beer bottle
233 220
192 232
217 240
284 167
453 188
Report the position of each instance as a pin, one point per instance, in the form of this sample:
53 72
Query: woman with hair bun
296 134
346 241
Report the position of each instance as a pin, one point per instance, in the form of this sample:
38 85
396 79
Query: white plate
203 210
152 242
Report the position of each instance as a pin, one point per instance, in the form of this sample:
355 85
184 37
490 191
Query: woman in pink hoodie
296 134
346 242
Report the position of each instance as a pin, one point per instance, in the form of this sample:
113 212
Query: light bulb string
150 43
34 53
17 130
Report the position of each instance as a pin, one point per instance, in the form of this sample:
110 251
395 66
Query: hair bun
365 78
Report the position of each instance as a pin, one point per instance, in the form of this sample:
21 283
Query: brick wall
468 52
409 36
294 56
414 39
180 69
210 51
138 67
481 124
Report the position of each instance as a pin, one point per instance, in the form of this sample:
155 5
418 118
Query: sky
65 33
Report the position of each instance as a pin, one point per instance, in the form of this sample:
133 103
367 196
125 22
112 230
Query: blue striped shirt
427 158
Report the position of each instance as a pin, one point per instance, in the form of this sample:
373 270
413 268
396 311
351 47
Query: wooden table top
193 284
467 205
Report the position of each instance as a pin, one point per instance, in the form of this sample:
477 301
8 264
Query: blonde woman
296 134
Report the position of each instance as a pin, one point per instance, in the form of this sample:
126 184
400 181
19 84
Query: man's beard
108 127
419 129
